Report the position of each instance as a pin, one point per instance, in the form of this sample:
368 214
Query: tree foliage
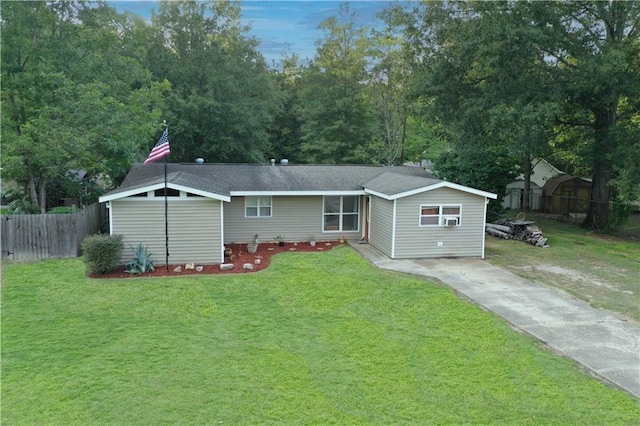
224 100
481 88
389 76
71 100
336 117
518 75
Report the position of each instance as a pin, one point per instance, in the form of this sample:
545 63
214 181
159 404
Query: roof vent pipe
284 162
273 161
199 160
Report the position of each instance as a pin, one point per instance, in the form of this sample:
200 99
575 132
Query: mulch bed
239 256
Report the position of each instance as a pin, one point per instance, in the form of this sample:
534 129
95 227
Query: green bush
141 261
61 210
102 253
619 216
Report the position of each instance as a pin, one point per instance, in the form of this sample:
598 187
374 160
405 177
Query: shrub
620 213
61 210
102 252
141 261
24 207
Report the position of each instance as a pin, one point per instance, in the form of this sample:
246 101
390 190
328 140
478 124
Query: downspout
486 206
222 231
393 231
110 209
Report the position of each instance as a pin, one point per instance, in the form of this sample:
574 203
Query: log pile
517 230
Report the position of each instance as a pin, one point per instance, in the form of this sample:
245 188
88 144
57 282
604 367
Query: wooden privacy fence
43 236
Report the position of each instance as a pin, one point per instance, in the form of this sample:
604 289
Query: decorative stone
270 249
257 261
226 266
177 269
189 266
247 266
199 268
292 249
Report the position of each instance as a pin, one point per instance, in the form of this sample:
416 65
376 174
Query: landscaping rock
226 266
257 261
247 266
177 269
189 266
199 268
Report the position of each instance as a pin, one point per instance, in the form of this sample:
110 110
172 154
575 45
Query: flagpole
166 205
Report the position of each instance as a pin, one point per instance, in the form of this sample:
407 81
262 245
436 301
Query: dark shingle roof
391 183
225 178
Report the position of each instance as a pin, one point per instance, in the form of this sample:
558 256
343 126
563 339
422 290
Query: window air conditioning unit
450 221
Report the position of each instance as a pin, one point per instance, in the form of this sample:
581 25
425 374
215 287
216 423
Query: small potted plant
312 240
280 240
253 247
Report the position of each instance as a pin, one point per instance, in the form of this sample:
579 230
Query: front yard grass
318 338
603 270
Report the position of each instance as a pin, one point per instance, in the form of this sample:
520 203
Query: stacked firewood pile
517 230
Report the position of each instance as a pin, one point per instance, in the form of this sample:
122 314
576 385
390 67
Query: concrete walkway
603 344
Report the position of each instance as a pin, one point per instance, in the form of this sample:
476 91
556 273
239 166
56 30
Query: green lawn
603 270
317 338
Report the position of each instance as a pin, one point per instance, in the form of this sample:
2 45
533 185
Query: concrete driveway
603 344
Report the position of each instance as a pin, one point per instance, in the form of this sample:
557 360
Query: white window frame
341 214
258 206
441 215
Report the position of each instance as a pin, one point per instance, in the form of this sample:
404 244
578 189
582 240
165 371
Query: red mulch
239 256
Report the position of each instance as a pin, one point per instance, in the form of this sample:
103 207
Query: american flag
161 149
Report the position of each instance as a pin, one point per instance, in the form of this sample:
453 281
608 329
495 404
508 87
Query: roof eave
443 184
153 187
296 193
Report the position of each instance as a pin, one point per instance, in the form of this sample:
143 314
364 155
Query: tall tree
286 131
71 100
387 84
335 112
224 100
594 56
534 67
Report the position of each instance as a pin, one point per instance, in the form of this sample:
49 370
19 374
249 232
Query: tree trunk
527 183
33 190
43 196
598 214
403 138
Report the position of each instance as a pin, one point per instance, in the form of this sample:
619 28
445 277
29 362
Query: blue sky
282 26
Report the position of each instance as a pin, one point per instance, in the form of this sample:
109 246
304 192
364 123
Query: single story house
403 211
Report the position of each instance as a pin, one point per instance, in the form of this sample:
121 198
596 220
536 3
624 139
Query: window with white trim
257 206
440 215
341 213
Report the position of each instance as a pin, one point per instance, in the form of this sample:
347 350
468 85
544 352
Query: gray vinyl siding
466 240
381 224
194 228
295 217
